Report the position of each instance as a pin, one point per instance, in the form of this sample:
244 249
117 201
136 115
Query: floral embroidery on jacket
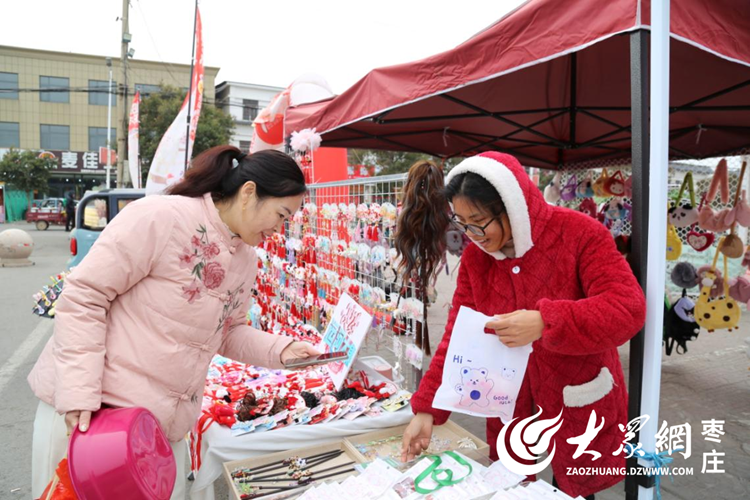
231 304
199 259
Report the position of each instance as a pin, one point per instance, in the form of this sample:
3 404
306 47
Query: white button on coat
516 270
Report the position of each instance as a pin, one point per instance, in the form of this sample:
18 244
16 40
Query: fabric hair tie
236 161
229 182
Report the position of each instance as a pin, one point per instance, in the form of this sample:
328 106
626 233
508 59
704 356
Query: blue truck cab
94 212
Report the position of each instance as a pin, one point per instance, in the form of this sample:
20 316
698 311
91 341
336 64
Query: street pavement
709 382
22 337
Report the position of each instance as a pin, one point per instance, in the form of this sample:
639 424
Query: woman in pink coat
166 286
553 278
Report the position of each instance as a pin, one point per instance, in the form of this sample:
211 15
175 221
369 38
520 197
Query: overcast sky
264 42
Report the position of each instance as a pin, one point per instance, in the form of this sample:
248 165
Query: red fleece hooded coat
568 268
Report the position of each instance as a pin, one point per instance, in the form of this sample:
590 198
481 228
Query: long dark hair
419 238
477 190
274 173
420 234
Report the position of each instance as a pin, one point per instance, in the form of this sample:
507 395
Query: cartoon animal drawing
509 373
475 387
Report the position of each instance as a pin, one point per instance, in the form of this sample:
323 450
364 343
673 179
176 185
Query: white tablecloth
220 446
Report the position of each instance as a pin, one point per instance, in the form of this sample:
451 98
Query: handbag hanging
743 211
584 189
569 191
732 246
674 244
615 185
719 183
700 240
588 207
598 185
679 325
682 213
616 209
721 313
629 187
552 191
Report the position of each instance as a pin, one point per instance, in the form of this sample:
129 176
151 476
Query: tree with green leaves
26 171
158 111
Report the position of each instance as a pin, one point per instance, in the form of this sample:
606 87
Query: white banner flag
168 165
134 162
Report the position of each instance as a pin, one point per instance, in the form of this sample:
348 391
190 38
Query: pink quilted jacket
164 288
566 267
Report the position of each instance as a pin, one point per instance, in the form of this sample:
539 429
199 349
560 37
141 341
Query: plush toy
599 183
588 207
718 286
739 289
683 213
699 240
674 244
456 241
568 191
684 275
720 313
552 191
679 325
719 183
615 185
733 247
585 189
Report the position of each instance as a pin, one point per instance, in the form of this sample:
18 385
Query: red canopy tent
556 83
550 83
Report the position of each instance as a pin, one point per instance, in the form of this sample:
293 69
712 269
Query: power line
120 92
153 42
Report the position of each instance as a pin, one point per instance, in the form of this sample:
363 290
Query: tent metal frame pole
502 119
417 119
692 105
659 138
640 145
573 98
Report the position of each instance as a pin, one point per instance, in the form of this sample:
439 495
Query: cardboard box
348 455
449 430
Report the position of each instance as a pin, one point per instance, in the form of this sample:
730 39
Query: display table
220 446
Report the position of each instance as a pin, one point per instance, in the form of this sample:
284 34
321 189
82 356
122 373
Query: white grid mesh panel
356 272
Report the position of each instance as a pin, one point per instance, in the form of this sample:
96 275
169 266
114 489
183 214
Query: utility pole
122 135
109 123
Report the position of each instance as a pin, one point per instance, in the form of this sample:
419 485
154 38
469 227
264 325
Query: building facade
58 102
243 101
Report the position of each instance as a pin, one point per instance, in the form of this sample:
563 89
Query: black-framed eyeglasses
473 228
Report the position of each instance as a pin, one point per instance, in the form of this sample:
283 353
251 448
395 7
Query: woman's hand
416 436
298 350
518 328
80 418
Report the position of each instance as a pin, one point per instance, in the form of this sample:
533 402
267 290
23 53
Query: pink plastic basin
123 455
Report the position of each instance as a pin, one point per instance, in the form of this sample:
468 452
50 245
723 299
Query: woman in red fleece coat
554 278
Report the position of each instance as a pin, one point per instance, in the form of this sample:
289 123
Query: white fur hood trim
504 181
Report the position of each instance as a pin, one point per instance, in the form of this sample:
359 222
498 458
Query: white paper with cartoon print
481 376
346 331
